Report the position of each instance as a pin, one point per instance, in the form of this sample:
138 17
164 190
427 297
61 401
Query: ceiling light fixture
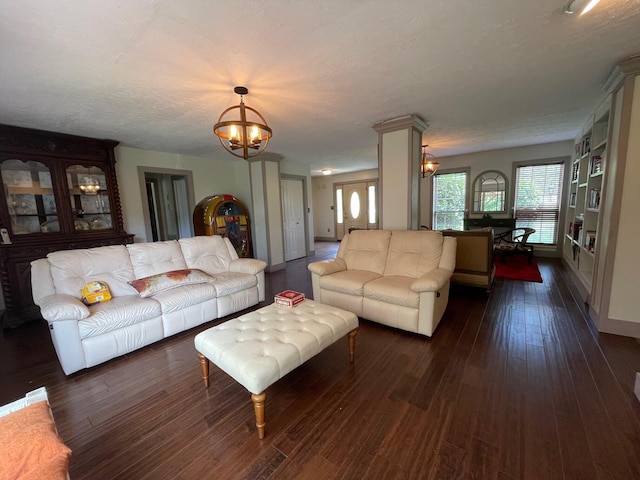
428 165
326 171
248 132
583 6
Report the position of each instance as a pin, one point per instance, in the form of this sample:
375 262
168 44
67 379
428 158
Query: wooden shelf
583 182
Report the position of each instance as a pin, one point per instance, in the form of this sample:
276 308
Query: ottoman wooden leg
204 369
258 408
352 345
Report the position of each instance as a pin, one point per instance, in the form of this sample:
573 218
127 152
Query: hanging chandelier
428 165
242 131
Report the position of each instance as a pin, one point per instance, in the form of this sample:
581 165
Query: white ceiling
156 74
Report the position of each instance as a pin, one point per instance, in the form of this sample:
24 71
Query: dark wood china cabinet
60 193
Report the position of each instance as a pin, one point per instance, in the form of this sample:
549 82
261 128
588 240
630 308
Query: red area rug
516 268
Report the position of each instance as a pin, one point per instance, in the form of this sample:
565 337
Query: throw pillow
30 445
162 282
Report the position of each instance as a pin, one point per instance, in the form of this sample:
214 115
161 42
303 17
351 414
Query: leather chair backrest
412 253
365 250
210 253
156 257
72 269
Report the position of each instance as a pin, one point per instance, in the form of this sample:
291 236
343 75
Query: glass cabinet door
89 198
29 195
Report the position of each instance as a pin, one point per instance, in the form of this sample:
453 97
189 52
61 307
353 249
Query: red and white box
289 298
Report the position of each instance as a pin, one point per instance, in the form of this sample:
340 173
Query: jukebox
226 216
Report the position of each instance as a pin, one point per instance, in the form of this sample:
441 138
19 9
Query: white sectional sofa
397 278
84 336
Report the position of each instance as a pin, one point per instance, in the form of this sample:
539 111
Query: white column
268 243
399 143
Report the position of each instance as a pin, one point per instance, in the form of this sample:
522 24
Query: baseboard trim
275 268
619 327
324 239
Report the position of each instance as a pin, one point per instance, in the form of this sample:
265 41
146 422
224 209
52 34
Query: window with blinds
538 195
449 200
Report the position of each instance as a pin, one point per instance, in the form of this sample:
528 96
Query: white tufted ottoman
262 346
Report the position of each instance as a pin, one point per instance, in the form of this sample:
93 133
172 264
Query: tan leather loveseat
398 278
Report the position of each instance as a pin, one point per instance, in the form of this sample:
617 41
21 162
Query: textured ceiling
156 74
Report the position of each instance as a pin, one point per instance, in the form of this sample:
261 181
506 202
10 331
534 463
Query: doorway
356 206
168 201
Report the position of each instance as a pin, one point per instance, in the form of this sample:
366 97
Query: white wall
624 285
231 176
210 177
501 160
322 193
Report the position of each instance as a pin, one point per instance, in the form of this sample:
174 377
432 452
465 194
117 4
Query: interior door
293 219
354 202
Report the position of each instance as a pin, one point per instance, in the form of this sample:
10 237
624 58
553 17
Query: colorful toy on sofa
94 292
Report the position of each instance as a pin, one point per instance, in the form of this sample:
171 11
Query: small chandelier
89 185
246 136
428 165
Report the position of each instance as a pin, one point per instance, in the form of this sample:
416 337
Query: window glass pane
492 201
537 200
89 198
449 200
339 211
489 192
372 203
29 196
354 205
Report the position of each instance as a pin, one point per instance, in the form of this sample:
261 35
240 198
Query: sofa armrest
431 281
62 307
247 265
327 267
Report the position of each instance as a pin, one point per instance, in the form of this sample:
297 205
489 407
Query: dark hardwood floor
517 385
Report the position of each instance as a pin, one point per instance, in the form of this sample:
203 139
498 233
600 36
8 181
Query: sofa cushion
412 253
72 269
208 253
118 313
184 296
154 284
231 282
350 282
393 289
155 257
366 250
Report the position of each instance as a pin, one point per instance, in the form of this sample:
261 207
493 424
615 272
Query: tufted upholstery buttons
260 347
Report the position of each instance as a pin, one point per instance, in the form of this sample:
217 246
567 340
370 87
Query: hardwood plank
515 385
